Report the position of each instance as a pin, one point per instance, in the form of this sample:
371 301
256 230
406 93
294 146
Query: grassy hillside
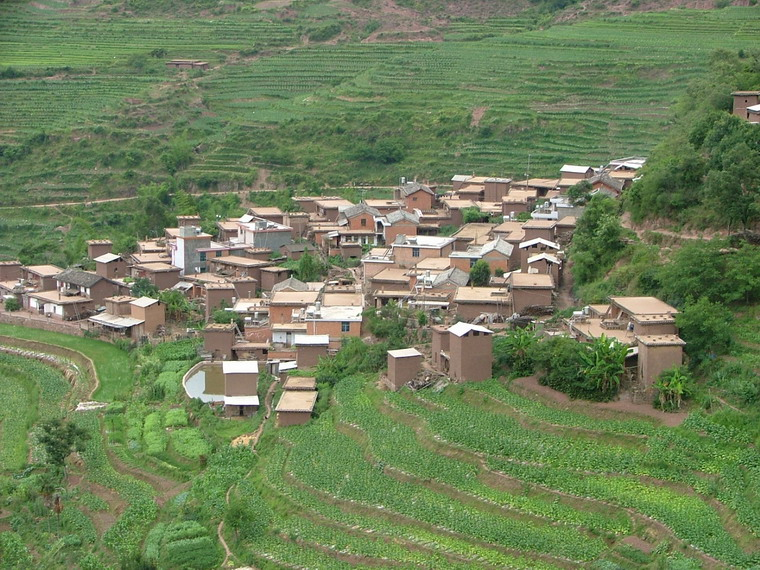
305 95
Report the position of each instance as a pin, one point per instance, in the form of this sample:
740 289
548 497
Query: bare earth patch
477 115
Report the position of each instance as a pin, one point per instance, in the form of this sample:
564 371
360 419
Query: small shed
295 407
403 366
310 348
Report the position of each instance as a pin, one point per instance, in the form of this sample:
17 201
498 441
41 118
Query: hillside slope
326 93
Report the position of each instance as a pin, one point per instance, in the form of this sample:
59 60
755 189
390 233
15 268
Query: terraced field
582 92
477 476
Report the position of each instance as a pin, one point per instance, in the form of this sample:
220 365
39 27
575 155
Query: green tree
706 328
178 307
473 215
604 365
60 439
673 386
309 268
480 273
142 287
12 304
580 193
514 351
597 241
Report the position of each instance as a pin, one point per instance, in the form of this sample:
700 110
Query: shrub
189 442
12 304
176 417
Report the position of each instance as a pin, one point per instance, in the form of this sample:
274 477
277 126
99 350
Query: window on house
345 327
415 252
414 198
472 261
475 333
364 221
219 253
203 256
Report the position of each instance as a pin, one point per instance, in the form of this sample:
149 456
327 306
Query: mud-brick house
531 291
543 229
407 251
241 384
288 306
218 295
403 366
41 277
218 339
399 222
497 253
162 275
85 284
536 246
463 351
657 353
295 407
329 209
57 305
11 270
471 302
111 266
98 247
546 263
361 223
416 196
310 348
747 105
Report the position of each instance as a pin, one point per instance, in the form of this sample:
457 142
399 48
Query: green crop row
396 445
349 477
275 466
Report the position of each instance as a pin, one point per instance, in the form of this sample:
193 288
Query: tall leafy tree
604 364
480 273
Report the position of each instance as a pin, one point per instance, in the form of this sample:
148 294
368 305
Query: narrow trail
250 440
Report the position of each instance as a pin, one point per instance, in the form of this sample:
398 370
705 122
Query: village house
111 266
546 263
359 224
162 275
227 230
397 223
310 348
536 246
285 305
385 207
241 382
747 105
541 186
375 260
271 276
497 253
471 302
531 292
235 266
300 383
407 251
463 351
85 284
571 174
403 366
255 231
130 317
517 202
329 209
294 251
416 196
271 213
55 304
218 339
218 295
295 407
185 250
41 277
98 247
454 209
474 233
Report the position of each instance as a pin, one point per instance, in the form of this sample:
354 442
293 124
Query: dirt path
250 440
529 386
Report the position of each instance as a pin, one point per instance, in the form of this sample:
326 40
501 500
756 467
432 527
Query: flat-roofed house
385 207
454 208
11 270
41 277
657 353
335 321
470 352
67 307
571 174
471 302
241 383
300 383
218 339
472 234
543 229
218 295
310 348
162 275
255 231
284 305
98 247
271 213
407 251
647 315
518 201
295 407
151 312
403 366
531 291
271 276
330 209
744 102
